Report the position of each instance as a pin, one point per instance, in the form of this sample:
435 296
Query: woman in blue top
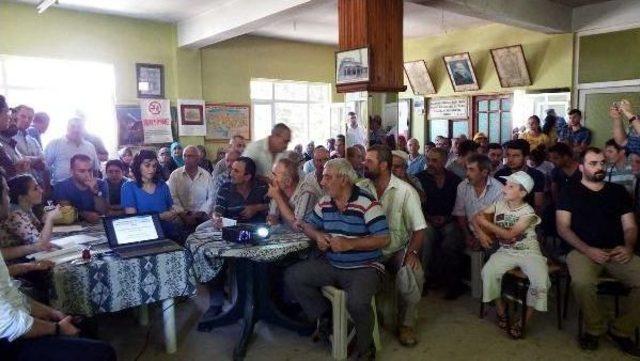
148 193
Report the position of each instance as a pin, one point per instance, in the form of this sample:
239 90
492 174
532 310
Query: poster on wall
449 108
129 125
156 121
191 117
226 120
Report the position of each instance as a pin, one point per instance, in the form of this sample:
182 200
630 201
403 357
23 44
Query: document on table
68 229
72 241
228 222
58 256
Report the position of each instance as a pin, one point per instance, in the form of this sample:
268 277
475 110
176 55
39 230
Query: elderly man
312 180
39 126
399 169
443 236
59 151
83 190
355 133
191 189
265 152
416 162
476 192
28 147
236 143
291 199
596 220
401 204
463 149
350 228
244 197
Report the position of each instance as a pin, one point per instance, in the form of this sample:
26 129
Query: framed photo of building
461 73
352 66
418 76
150 80
511 66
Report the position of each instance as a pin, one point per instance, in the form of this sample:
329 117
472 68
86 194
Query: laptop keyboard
147 249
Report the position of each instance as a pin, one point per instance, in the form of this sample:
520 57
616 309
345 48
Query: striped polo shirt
362 217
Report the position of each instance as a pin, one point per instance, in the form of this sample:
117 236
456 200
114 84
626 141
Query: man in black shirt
596 219
566 172
244 198
517 153
440 187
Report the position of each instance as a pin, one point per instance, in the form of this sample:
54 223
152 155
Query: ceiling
577 3
320 23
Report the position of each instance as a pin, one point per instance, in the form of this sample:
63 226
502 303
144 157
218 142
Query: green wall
549 58
228 67
609 57
596 112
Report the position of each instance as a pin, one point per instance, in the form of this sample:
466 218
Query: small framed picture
418 76
511 66
150 80
192 114
352 66
461 73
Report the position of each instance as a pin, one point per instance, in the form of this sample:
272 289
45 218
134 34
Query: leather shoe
407 336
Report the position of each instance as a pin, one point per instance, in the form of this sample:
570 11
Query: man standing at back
417 162
39 126
355 132
59 152
266 151
28 146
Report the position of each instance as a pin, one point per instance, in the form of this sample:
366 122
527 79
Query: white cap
400 153
521 178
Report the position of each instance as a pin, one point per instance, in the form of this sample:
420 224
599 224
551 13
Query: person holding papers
148 193
25 233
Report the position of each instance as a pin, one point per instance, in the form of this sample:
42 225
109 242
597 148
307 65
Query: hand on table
249 211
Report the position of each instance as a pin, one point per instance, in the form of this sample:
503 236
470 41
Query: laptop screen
132 229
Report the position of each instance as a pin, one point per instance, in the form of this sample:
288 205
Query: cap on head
522 178
400 153
479 135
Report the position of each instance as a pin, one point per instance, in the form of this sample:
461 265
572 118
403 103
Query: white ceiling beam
236 17
537 15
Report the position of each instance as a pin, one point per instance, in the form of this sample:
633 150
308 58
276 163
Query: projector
245 233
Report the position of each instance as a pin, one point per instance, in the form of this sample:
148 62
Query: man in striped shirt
350 228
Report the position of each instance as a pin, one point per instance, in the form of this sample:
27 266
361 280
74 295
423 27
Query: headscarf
179 160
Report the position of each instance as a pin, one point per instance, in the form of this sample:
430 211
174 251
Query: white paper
227 222
71 241
194 109
58 256
67 229
156 120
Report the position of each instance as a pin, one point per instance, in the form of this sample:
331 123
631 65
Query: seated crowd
376 211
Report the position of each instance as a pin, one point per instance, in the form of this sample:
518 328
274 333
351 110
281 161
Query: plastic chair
342 336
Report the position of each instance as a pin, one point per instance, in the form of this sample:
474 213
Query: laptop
137 235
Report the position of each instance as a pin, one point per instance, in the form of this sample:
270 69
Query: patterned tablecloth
209 251
112 284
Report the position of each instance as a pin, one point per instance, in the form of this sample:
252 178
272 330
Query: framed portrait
150 80
511 66
226 120
418 76
352 66
461 73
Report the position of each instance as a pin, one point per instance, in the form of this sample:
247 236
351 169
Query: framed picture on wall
150 80
226 120
461 73
511 66
418 76
352 66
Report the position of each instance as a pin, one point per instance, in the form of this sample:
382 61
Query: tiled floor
447 331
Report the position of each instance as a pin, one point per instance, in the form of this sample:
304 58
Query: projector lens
262 232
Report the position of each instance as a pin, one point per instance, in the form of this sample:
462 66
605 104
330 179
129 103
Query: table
250 265
111 284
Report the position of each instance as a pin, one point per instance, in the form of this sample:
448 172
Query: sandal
516 330
503 322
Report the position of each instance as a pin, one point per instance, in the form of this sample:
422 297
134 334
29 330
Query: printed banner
156 121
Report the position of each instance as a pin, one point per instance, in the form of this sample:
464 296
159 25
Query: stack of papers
59 256
68 229
71 241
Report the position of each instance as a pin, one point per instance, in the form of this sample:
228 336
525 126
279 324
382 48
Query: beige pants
584 280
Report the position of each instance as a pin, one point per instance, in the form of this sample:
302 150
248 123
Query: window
450 128
63 89
492 116
303 106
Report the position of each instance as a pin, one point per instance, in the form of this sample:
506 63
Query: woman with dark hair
550 128
204 162
148 193
26 233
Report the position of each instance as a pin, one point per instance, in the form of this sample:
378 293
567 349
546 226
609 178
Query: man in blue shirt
574 133
83 190
416 163
350 228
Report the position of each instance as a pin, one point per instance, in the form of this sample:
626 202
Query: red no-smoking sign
155 107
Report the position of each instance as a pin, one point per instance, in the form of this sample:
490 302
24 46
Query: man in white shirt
265 152
191 189
28 146
27 327
355 133
407 226
59 151
312 180
237 143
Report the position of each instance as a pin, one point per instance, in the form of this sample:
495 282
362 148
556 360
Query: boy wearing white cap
513 226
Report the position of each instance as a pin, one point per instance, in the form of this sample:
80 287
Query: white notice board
449 108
